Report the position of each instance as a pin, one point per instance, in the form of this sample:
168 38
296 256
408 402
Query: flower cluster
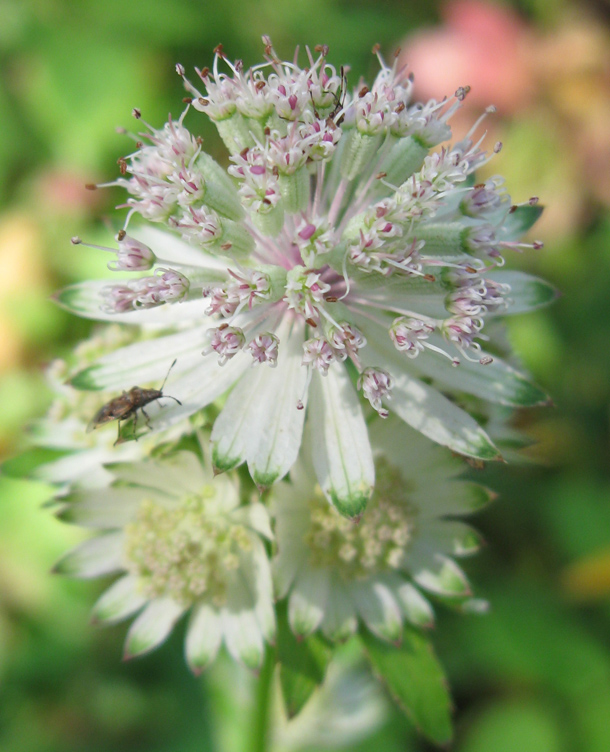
326 310
345 252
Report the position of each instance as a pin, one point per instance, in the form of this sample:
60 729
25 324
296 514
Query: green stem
259 734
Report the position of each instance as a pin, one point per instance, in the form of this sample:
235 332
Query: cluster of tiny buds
166 286
376 385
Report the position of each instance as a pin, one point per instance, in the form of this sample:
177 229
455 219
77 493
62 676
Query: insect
127 404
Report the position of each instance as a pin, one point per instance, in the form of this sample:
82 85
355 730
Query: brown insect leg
145 414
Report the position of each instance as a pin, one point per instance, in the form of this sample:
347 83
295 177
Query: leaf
415 680
302 664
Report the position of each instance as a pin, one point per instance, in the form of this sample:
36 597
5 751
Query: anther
180 69
121 235
363 92
137 113
76 240
91 187
312 323
187 100
218 50
376 48
331 299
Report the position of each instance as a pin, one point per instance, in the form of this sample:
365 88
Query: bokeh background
531 676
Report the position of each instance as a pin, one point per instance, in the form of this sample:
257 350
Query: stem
259 725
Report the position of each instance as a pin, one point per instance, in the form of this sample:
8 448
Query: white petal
286 564
340 620
307 601
179 474
121 600
260 421
196 389
144 362
242 633
95 557
278 439
238 425
426 410
496 381
170 248
456 498
397 292
526 292
378 609
106 507
82 468
424 460
84 299
258 575
439 575
451 537
203 637
414 606
152 626
256 517
341 451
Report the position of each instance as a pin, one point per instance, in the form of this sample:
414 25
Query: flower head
182 541
344 248
336 572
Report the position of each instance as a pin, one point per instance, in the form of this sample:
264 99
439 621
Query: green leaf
416 681
302 664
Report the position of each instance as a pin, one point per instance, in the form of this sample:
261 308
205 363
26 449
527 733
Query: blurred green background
534 674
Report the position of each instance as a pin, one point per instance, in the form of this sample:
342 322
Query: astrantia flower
337 573
182 541
340 255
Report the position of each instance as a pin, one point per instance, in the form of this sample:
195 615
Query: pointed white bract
337 573
343 242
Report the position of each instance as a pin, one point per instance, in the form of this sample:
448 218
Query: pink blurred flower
480 45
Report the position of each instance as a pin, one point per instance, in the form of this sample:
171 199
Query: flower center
378 543
186 552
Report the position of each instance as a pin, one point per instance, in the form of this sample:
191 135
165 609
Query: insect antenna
167 374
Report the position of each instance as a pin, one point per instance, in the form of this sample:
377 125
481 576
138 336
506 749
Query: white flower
181 541
338 250
337 572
